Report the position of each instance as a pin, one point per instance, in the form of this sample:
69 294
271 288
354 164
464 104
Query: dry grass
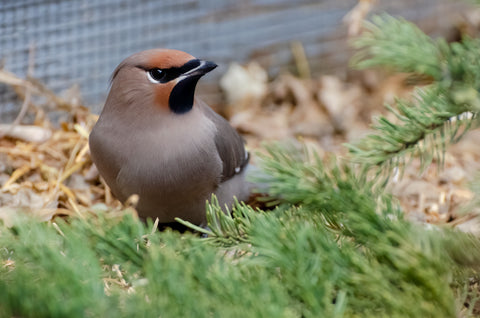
46 170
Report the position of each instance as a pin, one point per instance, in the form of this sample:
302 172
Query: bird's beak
202 69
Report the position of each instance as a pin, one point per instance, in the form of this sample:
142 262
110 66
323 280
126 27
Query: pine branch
226 229
50 275
301 178
118 242
438 115
396 43
230 229
423 129
372 233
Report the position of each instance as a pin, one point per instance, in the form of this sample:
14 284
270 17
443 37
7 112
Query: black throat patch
182 95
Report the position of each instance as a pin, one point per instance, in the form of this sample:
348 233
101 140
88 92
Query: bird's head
167 78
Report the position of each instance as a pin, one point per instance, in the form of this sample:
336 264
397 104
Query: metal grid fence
81 41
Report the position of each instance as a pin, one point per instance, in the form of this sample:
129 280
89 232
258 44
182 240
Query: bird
156 139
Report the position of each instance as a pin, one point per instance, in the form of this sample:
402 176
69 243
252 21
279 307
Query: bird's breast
174 158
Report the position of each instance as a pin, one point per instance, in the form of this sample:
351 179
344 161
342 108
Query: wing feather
230 145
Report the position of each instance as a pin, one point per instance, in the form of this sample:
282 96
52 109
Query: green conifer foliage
438 114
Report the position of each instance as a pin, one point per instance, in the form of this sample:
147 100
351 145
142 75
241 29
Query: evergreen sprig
395 43
438 114
226 229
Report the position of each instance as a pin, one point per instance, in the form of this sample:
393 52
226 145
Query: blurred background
80 42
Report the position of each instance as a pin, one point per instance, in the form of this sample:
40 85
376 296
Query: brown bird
155 139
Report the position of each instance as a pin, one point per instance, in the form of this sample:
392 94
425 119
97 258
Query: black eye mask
167 74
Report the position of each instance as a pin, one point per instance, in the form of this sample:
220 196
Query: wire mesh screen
81 41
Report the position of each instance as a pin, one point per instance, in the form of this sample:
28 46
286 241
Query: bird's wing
230 145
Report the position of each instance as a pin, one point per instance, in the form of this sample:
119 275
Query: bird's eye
155 75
